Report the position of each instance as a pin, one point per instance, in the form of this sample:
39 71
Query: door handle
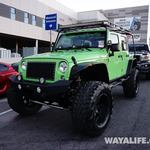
2 76
127 55
120 56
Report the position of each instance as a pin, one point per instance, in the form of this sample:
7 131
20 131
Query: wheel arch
91 71
131 64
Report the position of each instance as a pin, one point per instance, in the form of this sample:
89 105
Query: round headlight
23 65
63 67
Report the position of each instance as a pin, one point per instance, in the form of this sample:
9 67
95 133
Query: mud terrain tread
129 85
83 107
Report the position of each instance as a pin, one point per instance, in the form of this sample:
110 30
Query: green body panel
58 57
116 65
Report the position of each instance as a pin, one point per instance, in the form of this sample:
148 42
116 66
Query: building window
13 13
26 17
43 23
34 20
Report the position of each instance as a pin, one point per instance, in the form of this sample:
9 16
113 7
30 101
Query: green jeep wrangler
87 60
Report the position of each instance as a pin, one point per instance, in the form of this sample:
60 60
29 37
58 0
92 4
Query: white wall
18 28
59 6
90 16
10 60
39 8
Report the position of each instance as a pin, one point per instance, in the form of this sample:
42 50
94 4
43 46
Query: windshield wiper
87 49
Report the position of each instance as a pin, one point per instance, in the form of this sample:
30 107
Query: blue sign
51 22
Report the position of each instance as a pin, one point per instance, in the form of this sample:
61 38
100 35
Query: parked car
143 58
5 71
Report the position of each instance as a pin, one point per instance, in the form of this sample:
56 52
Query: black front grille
37 70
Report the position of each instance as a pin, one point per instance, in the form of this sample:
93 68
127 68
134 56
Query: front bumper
143 67
49 92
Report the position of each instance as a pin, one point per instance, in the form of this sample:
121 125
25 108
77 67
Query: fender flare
131 64
83 66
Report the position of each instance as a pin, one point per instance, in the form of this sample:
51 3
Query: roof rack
96 24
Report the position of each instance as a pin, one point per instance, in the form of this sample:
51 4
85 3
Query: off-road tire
20 104
92 108
131 86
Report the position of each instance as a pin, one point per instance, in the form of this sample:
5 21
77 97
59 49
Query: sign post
51 24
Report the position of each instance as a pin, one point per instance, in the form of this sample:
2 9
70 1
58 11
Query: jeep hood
140 52
79 56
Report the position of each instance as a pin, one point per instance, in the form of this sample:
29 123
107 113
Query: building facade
135 19
22 22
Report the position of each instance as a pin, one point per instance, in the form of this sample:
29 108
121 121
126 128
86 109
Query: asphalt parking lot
53 129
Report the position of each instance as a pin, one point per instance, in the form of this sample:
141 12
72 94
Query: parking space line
7 111
2 101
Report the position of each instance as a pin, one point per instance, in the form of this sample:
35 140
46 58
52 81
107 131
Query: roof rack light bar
96 24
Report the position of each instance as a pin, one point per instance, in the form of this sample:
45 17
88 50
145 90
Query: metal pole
50 40
36 45
16 46
134 46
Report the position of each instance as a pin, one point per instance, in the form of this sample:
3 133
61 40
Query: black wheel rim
102 111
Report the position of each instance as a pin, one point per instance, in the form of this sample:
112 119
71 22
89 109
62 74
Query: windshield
139 47
82 40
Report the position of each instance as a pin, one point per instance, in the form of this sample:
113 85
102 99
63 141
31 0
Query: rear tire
92 108
20 104
131 86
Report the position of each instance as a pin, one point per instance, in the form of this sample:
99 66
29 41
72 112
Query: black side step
117 82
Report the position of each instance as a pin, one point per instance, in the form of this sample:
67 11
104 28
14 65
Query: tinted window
34 20
139 47
82 39
43 23
26 17
13 13
3 67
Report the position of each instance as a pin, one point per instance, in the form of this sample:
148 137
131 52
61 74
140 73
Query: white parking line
2 101
5 112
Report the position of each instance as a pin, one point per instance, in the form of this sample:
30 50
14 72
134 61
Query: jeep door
115 64
125 53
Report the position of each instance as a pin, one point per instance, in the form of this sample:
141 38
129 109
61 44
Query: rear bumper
49 92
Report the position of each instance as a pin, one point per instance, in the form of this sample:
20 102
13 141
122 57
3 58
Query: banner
131 23
137 37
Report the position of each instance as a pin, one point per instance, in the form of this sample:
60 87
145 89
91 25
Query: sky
86 5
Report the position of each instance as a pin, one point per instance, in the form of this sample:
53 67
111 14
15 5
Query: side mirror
109 43
115 47
52 45
109 46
